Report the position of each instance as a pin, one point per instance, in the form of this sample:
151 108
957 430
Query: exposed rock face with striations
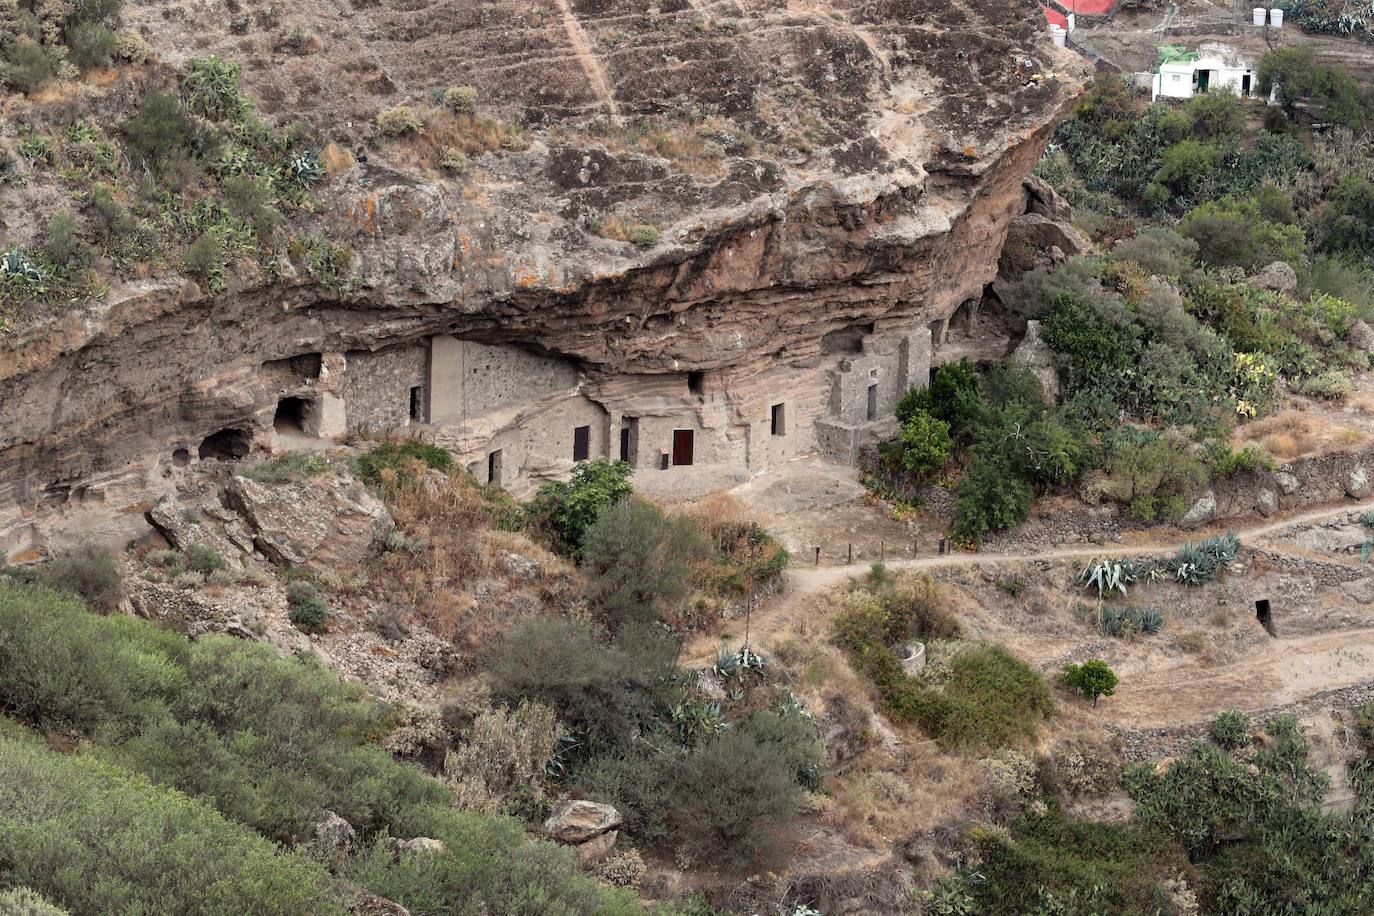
824 185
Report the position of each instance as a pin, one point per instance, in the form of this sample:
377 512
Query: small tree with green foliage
1092 679
921 448
563 512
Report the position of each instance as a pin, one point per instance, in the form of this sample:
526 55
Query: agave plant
15 263
305 169
1108 576
727 663
696 718
749 660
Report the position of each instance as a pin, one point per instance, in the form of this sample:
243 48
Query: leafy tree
952 397
1234 233
639 559
1151 473
921 448
563 511
989 497
1093 679
1216 116
1347 221
160 133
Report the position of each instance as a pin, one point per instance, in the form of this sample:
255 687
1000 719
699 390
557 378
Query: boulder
1032 237
420 844
597 848
331 839
1266 502
1277 276
1357 483
1034 354
185 525
577 820
366 903
1361 337
1287 482
326 521
1202 511
1044 200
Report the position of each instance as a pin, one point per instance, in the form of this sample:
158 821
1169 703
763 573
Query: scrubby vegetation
1236 266
269 744
969 696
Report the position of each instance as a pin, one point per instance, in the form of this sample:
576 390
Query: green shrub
89 572
211 88
160 133
23 902
921 448
308 611
460 99
605 691
253 200
1347 220
92 45
63 246
562 512
639 561
1151 474
643 236
1159 250
400 459
203 559
27 65
99 840
292 466
1231 730
953 398
1216 115
1233 233
1093 679
989 497
1227 462
399 121
1187 169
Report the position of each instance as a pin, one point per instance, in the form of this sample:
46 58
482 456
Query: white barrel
1259 13
1059 35
1276 18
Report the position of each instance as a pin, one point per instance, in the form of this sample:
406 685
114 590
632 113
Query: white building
1212 67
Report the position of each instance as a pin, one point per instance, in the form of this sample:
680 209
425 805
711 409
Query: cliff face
809 169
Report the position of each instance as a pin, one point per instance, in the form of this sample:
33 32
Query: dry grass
336 159
696 149
1312 430
446 547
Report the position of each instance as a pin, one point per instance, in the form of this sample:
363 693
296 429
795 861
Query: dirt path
1279 672
591 64
805 586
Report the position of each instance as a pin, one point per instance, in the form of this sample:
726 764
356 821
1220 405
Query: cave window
291 415
225 445
494 467
696 382
872 402
582 443
779 420
181 457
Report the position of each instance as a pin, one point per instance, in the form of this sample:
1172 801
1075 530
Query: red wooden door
682 446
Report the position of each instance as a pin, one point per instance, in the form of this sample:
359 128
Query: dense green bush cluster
268 743
41 41
563 511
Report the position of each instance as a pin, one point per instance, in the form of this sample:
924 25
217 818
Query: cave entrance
292 415
225 445
1264 615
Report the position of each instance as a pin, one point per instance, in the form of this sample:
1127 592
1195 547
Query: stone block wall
470 379
376 387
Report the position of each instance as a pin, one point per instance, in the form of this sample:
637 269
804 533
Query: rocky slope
807 166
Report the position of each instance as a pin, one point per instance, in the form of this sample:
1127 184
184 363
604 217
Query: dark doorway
1204 78
696 382
1245 84
494 467
1264 615
291 415
872 402
779 420
625 438
684 441
181 457
417 404
225 445
582 443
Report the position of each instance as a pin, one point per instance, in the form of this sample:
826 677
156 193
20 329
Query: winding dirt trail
1277 672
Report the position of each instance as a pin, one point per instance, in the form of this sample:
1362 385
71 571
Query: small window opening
417 404
225 445
624 443
1264 615
695 381
872 402
779 420
494 467
181 457
582 443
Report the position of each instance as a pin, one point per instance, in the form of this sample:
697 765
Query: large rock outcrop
809 171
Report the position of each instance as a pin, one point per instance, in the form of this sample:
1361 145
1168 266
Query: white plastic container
1276 18
1059 35
1258 13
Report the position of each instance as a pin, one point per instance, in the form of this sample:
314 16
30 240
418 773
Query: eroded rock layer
829 183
